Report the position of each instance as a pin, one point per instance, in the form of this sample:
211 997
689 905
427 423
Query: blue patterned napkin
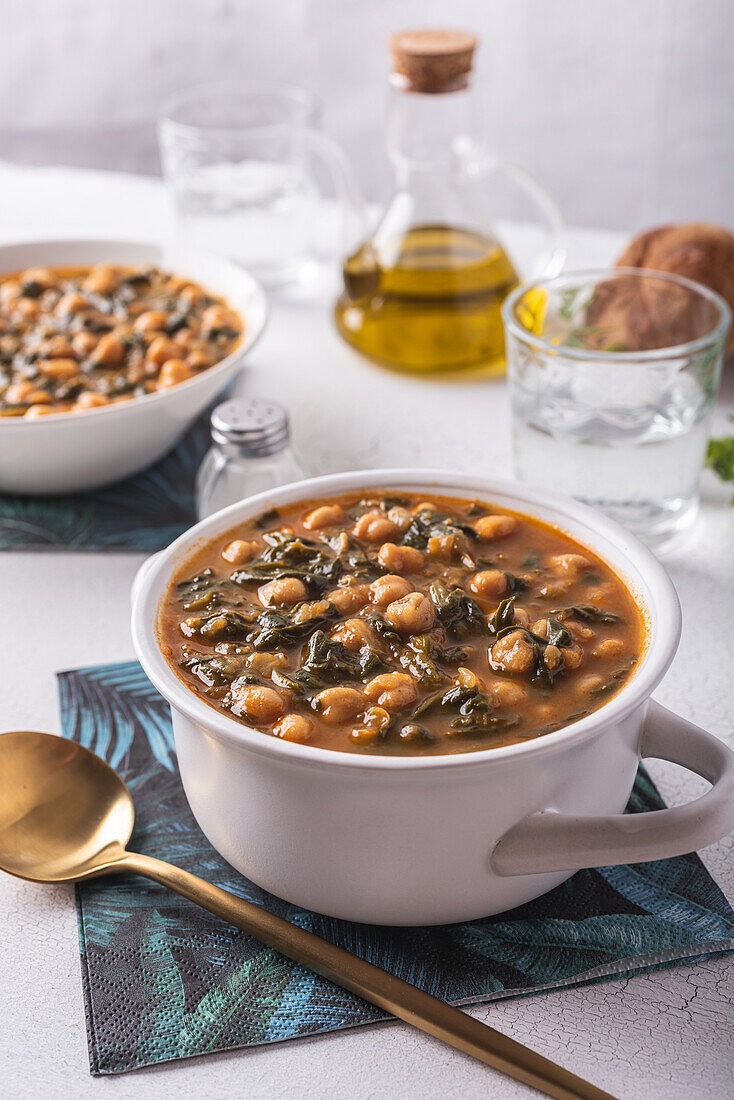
145 512
164 980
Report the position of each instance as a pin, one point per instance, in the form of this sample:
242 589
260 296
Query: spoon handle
372 983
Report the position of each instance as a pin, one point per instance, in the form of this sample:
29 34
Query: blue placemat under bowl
145 512
165 980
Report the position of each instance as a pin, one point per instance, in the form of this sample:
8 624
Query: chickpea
339 704
570 565
552 658
363 736
506 693
173 371
587 684
376 718
42 276
83 344
610 647
282 592
26 309
265 663
19 393
262 705
294 727
316 609
190 294
57 347
468 679
239 551
90 400
400 559
199 360
580 631
9 293
354 634
573 655
41 410
442 547
522 618
348 598
489 528
513 653
392 690
110 351
151 321
540 627
9 345
70 303
413 614
217 317
554 589
401 517
160 349
102 279
375 527
424 506
389 588
328 515
59 369
601 595
489 584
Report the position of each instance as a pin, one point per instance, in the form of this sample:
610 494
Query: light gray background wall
623 108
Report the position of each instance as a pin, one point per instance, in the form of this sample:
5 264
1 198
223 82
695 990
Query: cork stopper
431 61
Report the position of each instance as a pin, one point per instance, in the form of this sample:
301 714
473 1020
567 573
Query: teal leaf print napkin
163 979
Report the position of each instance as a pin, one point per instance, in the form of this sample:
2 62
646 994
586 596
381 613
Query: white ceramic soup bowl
432 840
70 452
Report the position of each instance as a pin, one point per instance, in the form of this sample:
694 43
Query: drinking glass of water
248 168
613 376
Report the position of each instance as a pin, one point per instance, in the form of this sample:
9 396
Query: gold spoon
65 816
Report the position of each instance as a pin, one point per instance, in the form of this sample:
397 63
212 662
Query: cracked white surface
663 1036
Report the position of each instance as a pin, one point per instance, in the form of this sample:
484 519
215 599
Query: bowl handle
552 841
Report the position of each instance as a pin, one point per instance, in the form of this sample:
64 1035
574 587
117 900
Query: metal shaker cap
256 426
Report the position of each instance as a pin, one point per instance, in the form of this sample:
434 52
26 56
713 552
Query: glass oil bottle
424 293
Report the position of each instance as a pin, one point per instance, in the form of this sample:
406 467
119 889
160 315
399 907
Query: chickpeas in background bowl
408 697
108 352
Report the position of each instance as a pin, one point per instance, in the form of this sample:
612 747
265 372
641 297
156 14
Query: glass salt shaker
251 453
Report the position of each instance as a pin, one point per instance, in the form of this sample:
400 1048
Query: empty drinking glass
246 164
613 376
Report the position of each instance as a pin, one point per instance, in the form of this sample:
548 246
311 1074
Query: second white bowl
69 452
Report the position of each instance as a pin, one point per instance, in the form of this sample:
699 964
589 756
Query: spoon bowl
65 815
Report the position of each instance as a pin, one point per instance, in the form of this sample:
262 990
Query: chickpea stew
400 625
73 339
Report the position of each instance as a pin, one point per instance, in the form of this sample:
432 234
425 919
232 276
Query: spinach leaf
586 612
328 660
215 673
558 634
290 556
276 629
267 517
457 611
474 712
429 524
503 617
227 625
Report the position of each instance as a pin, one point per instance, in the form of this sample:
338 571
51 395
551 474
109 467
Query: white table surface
665 1035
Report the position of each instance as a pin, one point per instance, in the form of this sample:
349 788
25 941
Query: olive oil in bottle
428 301
425 292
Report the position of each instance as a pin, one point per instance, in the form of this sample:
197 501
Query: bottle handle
333 158
551 260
